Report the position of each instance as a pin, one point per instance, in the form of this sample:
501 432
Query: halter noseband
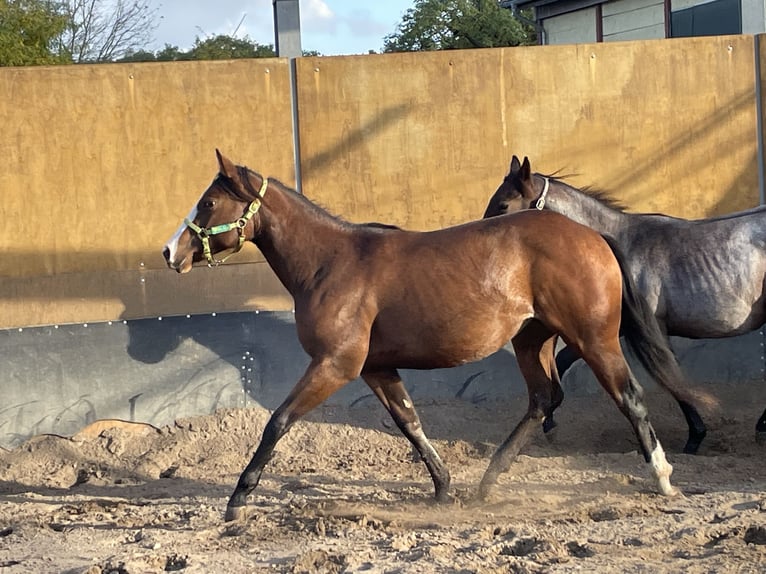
540 203
204 233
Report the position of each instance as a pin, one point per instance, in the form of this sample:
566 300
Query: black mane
603 197
251 193
599 195
378 225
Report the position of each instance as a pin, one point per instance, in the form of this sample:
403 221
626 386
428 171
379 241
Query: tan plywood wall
101 163
422 140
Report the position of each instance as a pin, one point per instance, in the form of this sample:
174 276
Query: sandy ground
343 494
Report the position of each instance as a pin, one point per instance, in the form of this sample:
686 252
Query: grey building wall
576 21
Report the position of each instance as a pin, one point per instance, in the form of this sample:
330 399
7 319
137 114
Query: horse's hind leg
697 428
557 394
760 429
534 347
389 388
565 358
612 371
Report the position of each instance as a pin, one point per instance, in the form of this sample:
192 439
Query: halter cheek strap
540 204
204 233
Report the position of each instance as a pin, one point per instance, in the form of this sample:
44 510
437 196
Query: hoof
445 500
760 437
691 448
667 489
551 435
673 492
694 442
549 424
484 492
235 514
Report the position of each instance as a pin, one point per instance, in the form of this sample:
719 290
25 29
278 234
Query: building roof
548 8
524 4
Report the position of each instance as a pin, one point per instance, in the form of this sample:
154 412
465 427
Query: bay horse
371 299
702 278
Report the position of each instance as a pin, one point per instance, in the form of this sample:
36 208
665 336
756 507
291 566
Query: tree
456 24
29 32
220 47
106 30
223 47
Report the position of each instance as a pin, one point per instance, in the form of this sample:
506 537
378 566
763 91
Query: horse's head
516 192
223 219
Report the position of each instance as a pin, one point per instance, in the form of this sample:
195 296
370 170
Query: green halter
204 233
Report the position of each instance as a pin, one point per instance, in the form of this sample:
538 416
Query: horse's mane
251 193
599 195
378 225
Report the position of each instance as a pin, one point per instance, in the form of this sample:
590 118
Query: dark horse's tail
650 346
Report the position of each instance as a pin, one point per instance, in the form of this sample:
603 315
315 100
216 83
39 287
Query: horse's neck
296 240
585 209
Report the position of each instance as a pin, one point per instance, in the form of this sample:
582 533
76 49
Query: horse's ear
225 165
525 172
515 165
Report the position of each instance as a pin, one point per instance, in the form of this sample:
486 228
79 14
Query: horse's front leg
321 379
389 388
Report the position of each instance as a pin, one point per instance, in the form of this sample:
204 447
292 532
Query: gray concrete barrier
59 379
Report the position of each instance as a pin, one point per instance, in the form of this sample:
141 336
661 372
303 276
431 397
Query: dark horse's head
223 219
517 191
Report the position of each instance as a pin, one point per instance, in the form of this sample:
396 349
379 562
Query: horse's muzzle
178 266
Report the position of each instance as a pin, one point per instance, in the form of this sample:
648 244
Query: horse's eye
503 206
208 204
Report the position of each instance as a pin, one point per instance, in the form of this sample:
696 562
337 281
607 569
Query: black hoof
760 430
549 424
235 514
694 442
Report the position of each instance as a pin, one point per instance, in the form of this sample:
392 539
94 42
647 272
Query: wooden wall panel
665 125
91 297
101 163
422 140
412 139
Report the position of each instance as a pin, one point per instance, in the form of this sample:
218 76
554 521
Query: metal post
759 127
287 28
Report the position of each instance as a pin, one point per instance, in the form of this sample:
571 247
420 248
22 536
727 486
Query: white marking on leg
662 470
172 244
407 404
418 432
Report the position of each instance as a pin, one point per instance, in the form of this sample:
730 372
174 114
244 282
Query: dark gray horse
704 278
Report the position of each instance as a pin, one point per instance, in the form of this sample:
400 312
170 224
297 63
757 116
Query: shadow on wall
261 353
690 139
60 379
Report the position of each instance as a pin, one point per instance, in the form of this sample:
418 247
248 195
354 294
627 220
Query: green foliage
29 32
140 56
224 47
457 24
220 47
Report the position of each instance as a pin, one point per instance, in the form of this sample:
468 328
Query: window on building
712 19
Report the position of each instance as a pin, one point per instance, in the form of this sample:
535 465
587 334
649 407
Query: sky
331 27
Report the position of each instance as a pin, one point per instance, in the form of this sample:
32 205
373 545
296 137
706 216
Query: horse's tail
648 343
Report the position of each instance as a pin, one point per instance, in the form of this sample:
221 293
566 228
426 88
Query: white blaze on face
172 244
